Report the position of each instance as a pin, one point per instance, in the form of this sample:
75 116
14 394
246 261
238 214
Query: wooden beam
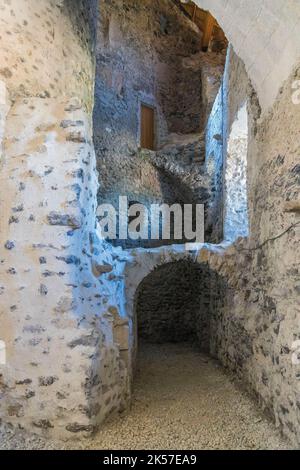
209 25
194 12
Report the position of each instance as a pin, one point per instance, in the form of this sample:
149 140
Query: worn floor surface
182 400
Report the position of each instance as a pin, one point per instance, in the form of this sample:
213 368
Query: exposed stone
76 428
43 289
67 123
66 220
68 347
47 381
169 72
172 304
43 424
9 245
292 206
6 72
76 137
98 269
84 341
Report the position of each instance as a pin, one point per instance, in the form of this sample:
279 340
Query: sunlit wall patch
235 175
2 353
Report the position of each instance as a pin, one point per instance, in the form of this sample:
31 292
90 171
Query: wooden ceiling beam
209 25
203 19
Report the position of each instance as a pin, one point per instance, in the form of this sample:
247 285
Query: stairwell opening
154 92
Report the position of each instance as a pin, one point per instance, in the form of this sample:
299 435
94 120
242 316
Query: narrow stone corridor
185 400
182 400
149 192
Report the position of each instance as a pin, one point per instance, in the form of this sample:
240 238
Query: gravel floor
182 400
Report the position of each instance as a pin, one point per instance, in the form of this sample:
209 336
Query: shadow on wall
174 303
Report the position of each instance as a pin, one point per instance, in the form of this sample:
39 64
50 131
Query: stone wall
140 48
274 208
60 288
214 155
255 314
69 337
149 52
235 179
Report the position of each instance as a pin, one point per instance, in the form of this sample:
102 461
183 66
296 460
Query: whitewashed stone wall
60 286
69 344
226 151
4 106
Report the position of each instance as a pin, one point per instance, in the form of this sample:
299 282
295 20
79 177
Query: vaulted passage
175 304
149 224
168 303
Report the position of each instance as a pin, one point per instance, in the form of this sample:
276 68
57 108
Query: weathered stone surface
47 381
68 337
76 428
66 220
76 137
99 269
49 184
161 66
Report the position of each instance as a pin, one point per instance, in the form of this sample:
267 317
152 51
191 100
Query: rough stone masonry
68 316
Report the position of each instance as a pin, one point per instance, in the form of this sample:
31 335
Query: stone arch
144 262
272 26
141 264
168 304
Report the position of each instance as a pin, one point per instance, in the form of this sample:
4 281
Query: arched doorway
171 304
